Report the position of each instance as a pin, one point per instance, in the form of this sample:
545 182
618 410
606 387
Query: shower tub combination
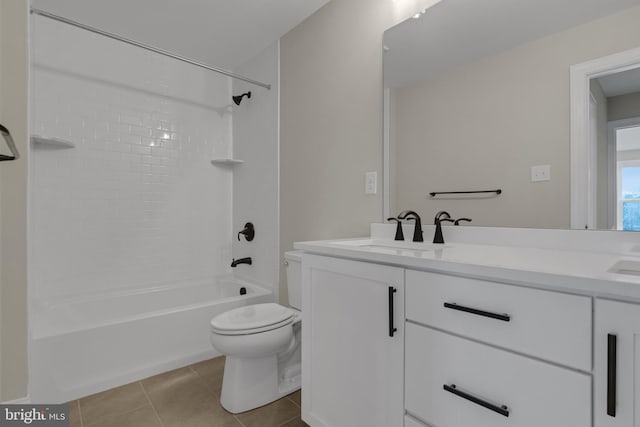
90 344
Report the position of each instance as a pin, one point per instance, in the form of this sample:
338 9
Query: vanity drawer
449 379
549 325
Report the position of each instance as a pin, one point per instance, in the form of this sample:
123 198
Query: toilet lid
252 317
252 331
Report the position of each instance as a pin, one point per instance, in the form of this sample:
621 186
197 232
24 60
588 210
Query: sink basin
631 268
389 244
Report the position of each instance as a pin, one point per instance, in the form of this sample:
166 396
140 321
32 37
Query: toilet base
249 383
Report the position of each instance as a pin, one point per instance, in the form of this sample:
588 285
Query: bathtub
83 345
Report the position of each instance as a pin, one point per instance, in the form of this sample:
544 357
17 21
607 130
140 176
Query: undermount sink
631 268
389 244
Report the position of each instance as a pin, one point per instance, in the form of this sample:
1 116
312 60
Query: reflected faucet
440 217
417 231
399 234
235 262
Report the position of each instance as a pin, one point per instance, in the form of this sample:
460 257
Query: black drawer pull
612 344
392 328
502 410
454 306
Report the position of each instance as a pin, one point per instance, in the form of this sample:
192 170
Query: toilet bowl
261 343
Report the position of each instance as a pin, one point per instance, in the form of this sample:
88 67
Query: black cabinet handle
502 410
392 329
454 306
612 344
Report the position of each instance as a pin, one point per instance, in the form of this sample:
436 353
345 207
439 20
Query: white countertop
582 272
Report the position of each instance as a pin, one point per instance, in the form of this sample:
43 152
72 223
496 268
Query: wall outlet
371 183
540 173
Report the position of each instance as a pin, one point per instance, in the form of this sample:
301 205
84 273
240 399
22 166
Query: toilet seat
252 319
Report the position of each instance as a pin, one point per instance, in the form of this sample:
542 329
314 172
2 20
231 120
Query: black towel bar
436 193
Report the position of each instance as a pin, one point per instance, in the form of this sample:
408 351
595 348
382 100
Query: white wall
255 182
484 125
331 119
14 72
137 201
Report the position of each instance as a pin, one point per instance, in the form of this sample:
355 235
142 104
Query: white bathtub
85 345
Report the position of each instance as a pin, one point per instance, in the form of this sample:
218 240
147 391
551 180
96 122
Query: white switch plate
540 173
371 183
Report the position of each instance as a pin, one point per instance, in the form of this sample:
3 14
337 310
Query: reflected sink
631 268
390 244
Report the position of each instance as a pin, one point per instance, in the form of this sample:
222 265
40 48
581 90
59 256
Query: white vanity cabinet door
617 328
445 373
352 369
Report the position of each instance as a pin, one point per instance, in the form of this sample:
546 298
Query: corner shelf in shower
47 142
226 162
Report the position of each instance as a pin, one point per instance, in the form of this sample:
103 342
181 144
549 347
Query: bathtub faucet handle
248 232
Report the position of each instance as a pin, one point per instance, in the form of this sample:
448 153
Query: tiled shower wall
137 202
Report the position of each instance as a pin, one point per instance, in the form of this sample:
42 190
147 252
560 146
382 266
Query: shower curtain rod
147 47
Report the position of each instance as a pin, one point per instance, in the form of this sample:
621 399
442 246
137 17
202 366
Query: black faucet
440 217
417 231
246 260
399 233
457 221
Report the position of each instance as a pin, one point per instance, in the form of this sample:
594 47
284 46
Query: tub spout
246 260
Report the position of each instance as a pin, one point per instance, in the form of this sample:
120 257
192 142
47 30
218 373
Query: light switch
540 173
371 183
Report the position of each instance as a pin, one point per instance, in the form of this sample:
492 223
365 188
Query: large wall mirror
478 97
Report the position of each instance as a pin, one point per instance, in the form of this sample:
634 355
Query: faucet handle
248 232
399 233
457 221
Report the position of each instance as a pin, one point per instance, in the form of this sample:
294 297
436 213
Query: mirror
478 98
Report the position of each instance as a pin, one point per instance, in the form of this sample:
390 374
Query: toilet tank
293 261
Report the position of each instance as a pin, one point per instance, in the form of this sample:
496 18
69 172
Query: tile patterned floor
186 397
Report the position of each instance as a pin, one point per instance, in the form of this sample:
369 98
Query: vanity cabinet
617 364
353 346
473 351
386 346
454 382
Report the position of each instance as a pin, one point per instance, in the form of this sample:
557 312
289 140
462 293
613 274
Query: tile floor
186 397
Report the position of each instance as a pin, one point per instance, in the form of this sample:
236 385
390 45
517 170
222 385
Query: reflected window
629 197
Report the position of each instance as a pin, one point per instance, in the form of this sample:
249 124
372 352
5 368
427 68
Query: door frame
580 75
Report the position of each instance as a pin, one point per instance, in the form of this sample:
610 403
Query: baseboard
22 401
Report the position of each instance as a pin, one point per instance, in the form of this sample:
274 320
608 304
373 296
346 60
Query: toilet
261 343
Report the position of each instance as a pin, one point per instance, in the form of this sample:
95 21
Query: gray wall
624 106
14 72
331 120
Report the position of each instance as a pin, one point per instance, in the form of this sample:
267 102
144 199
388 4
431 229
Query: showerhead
238 98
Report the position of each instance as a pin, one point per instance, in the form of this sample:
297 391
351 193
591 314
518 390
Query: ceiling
222 33
622 83
453 33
